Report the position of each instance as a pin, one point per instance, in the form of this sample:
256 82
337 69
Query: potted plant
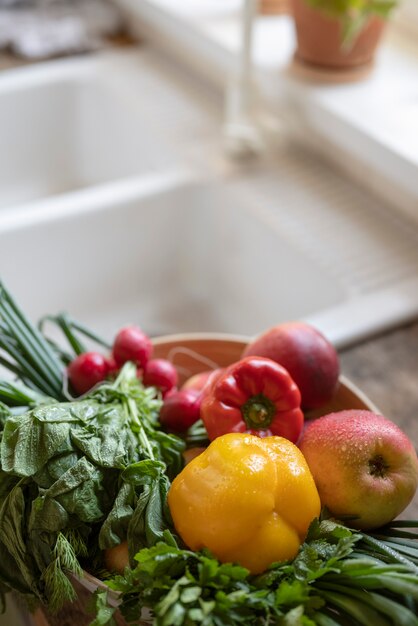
273 7
339 33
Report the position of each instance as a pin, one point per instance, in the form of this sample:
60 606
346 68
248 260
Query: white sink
197 257
74 124
118 208
227 254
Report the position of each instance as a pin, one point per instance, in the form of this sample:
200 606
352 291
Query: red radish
87 370
181 409
160 373
112 367
132 344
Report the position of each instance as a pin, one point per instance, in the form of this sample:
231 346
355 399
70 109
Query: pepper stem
258 412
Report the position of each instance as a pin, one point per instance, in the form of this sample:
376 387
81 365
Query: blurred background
35 29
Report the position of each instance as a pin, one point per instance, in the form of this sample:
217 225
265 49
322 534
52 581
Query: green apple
364 466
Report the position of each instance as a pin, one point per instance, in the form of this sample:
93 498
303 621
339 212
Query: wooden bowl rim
180 337
244 339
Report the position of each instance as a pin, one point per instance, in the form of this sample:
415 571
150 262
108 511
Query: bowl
191 353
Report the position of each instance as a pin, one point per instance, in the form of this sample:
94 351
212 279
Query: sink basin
117 207
216 253
73 124
197 257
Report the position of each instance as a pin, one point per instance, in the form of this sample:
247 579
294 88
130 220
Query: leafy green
104 612
72 331
196 436
17 394
328 584
79 477
76 477
29 354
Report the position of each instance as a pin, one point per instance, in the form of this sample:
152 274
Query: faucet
242 133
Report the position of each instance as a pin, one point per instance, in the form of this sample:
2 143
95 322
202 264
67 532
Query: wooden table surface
386 369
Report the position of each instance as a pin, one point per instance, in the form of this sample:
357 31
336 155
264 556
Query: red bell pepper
255 395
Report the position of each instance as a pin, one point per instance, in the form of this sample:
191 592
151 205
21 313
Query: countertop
8 60
386 369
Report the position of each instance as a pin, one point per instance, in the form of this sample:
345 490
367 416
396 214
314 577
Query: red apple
308 356
197 381
363 466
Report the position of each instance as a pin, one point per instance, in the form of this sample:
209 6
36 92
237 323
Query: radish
160 373
131 344
112 367
86 370
181 409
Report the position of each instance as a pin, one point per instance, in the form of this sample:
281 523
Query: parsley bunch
337 579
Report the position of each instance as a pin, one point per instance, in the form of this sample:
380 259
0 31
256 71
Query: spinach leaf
114 529
28 443
78 477
149 522
17 567
79 491
105 446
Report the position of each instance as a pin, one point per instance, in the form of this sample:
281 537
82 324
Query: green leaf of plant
17 566
80 491
115 527
28 443
104 612
360 611
142 473
103 445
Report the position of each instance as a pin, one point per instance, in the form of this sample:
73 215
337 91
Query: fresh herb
18 394
74 332
197 436
79 477
29 355
335 580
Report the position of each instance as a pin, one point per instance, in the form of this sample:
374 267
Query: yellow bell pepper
247 499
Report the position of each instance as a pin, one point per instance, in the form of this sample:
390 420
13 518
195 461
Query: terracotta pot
273 7
319 39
